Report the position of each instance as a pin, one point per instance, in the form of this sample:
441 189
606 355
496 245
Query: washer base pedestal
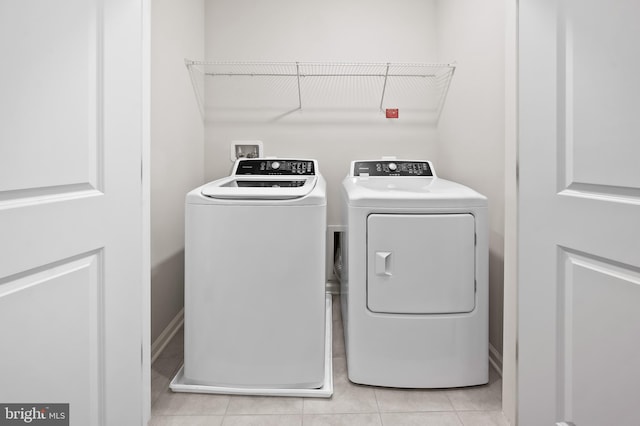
179 384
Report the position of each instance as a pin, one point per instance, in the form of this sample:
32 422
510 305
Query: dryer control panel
275 166
392 168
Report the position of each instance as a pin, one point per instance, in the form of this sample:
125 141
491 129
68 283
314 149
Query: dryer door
421 264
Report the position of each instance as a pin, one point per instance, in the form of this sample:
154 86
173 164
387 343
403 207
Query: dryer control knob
275 165
393 167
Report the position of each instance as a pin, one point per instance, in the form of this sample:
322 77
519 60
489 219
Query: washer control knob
393 167
275 165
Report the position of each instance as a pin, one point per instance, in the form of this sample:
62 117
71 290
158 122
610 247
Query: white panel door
421 263
579 212
71 210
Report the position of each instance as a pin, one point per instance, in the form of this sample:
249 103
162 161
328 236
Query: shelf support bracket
384 86
199 97
299 93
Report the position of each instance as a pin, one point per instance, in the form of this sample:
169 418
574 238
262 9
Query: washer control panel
392 168
275 166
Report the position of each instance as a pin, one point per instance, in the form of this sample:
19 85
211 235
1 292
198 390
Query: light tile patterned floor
350 405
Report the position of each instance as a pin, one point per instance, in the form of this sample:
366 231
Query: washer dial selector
275 165
393 167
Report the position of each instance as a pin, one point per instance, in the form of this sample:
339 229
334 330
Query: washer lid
260 187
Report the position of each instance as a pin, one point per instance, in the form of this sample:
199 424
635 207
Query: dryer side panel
421 264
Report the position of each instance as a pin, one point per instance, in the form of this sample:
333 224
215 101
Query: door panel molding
51 194
595 107
53 133
60 308
615 194
597 301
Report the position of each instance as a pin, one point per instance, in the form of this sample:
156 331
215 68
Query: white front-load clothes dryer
255 279
414 281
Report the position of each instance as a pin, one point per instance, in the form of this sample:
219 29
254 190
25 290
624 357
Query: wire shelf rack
321 85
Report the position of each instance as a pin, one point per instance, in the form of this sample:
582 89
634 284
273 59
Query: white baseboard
167 334
495 359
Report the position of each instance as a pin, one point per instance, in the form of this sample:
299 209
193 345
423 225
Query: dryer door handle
383 263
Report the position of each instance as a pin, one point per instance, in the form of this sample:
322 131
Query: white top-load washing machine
414 288
255 280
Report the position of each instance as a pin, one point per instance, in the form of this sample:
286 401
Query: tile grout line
375 395
458 416
226 409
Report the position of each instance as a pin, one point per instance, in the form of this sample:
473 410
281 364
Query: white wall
332 31
471 131
177 146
